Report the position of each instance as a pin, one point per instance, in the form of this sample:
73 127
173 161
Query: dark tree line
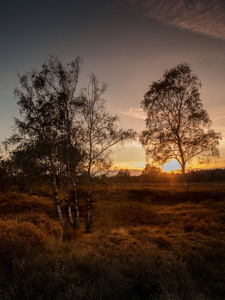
154 174
214 175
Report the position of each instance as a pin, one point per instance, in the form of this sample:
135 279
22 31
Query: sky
128 44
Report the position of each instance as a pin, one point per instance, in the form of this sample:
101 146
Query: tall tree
49 124
22 168
177 125
101 132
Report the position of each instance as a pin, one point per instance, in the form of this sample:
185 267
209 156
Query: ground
148 241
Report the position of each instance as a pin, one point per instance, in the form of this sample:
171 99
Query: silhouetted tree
101 132
150 173
24 167
49 125
5 173
20 168
123 175
177 124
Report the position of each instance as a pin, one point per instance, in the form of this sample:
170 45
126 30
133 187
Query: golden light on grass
137 224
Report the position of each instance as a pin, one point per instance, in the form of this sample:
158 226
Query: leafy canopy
177 125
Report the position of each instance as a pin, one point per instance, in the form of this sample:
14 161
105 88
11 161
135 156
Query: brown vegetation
148 241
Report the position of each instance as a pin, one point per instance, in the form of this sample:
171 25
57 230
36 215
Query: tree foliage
123 175
23 168
151 173
49 126
5 173
100 133
101 130
177 125
63 132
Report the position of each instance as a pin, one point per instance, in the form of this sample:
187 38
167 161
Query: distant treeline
206 175
213 175
31 182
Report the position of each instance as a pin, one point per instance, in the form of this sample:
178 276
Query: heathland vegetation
148 241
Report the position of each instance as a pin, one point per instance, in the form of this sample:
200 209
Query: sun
172 165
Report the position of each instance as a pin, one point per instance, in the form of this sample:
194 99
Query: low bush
19 239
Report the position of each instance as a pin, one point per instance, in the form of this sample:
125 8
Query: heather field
147 241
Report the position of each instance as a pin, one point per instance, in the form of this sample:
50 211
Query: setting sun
171 166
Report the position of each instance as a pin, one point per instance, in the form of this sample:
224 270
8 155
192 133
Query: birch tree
49 125
177 125
101 132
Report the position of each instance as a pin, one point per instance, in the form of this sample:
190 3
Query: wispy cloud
135 112
200 16
217 113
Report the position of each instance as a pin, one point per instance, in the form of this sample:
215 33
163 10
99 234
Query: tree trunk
76 203
69 211
57 199
182 163
20 180
184 177
88 203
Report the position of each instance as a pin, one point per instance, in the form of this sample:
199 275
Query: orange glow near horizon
132 157
172 166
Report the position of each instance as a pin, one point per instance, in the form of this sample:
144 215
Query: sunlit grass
151 241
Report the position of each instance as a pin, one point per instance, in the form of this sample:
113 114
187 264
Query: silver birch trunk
69 210
186 187
57 199
76 203
88 203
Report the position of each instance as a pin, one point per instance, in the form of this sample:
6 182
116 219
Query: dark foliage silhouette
177 125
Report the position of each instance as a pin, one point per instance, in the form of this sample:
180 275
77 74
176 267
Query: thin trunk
184 177
88 201
69 211
20 182
76 203
88 204
182 164
57 199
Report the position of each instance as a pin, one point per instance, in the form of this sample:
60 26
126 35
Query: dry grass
147 242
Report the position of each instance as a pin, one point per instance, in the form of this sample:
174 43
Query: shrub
159 275
18 239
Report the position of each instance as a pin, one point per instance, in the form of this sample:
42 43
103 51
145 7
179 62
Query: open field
148 241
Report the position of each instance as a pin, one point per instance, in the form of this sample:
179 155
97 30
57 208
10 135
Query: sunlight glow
171 166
